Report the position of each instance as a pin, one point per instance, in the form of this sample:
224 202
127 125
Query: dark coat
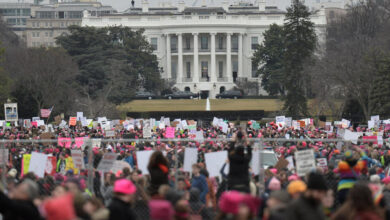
304 209
120 210
18 209
157 178
238 178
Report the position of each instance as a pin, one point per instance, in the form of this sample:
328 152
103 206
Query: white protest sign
351 136
119 165
322 162
80 115
380 140
375 118
371 124
143 160
38 164
107 162
147 132
84 122
288 121
290 165
295 124
305 161
4 154
215 161
77 157
215 122
190 158
199 136
96 142
40 123
224 127
36 118
345 123
184 124
280 120
255 162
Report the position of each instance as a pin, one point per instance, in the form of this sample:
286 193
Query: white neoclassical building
204 49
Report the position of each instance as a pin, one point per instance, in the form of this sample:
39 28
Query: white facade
224 39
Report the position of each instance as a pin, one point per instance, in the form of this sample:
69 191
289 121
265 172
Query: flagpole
50 114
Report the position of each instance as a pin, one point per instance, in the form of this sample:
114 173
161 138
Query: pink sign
64 142
371 139
170 132
34 124
79 141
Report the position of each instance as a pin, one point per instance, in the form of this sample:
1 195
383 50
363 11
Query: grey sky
122 5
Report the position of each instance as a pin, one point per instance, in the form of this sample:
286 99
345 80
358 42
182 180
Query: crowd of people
354 184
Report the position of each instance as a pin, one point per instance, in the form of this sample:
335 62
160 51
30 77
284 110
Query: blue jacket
130 161
200 183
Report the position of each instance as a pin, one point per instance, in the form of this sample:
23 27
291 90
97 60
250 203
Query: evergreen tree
300 43
380 96
269 57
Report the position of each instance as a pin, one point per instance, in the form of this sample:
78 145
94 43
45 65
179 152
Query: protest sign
147 132
96 142
64 142
78 160
143 160
80 115
110 133
72 121
119 165
215 161
79 141
38 164
321 162
199 136
51 165
4 154
255 162
290 165
190 158
107 162
25 163
351 136
170 132
305 161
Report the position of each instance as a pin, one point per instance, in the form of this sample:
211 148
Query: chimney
225 5
262 5
145 6
181 6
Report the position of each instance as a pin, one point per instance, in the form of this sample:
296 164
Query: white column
195 78
229 57
240 73
168 71
213 77
180 58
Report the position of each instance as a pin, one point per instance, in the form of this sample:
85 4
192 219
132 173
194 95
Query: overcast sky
122 5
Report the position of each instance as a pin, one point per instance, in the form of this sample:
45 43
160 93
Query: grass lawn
200 105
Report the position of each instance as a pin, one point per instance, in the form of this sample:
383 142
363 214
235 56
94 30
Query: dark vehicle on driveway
230 94
181 95
144 95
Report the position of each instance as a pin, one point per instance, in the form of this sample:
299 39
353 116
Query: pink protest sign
64 142
370 139
79 141
34 124
170 132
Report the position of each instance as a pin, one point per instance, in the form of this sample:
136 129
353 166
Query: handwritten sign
305 161
170 132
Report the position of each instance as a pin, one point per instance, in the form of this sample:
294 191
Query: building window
205 69
235 42
38 24
188 68
61 15
174 69
254 42
174 43
51 34
46 34
187 89
204 42
222 89
188 43
153 42
75 14
220 69
220 43
331 14
254 70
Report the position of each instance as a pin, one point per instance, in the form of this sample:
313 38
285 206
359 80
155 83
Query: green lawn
200 105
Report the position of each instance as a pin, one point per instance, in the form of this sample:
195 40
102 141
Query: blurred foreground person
120 207
19 205
359 205
308 205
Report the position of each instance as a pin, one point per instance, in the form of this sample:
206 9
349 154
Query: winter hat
66 212
293 177
230 201
375 179
296 186
161 210
316 181
386 180
124 186
274 184
12 173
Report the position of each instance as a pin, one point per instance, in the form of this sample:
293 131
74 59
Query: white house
203 49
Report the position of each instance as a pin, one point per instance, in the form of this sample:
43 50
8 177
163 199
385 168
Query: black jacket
157 178
304 209
120 210
238 178
18 209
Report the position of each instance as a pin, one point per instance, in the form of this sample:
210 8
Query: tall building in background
15 15
205 49
50 21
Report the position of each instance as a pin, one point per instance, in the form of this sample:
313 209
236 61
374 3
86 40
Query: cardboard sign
78 160
215 161
147 132
305 161
190 158
170 132
51 165
322 162
143 160
107 162
72 121
38 164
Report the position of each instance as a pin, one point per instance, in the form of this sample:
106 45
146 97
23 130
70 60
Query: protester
120 206
158 169
199 182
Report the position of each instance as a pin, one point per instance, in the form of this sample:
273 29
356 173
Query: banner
45 113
